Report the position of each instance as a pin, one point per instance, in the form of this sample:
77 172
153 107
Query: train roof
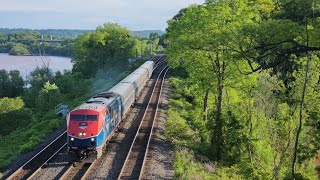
140 71
123 89
98 102
147 63
94 107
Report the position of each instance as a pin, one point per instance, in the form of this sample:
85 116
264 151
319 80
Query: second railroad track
135 159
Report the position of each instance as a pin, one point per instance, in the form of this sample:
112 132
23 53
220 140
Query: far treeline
73 33
246 93
27 115
54 42
30 43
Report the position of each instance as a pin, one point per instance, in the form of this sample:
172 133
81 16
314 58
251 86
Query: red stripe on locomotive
86 128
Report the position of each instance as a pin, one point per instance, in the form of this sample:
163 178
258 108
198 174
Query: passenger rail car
90 125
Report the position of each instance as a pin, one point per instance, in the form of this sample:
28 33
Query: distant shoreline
36 55
27 64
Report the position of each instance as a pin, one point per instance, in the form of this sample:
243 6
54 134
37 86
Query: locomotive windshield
78 117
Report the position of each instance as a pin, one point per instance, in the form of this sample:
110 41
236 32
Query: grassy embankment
190 155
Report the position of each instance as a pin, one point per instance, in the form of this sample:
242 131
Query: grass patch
26 138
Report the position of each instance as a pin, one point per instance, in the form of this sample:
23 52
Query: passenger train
92 124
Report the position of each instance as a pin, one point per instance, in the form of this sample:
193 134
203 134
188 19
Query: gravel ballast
161 152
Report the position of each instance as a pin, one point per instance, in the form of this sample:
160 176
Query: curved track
135 159
38 162
146 158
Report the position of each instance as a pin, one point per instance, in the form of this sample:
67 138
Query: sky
88 14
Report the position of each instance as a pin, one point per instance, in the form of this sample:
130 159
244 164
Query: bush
10 104
48 97
13 120
187 166
28 147
19 50
177 130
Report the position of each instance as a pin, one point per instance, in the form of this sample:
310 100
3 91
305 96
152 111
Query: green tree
109 45
253 117
3 38
4 83
19 49
49 96
198 38
153 36
16 83
37 79
10 104
65 82
11 84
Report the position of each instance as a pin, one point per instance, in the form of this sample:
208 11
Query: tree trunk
218 67
249 111
219 121
300 121
293 167
205 105
220 76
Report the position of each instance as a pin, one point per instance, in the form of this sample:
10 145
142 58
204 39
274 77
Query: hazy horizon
76 29
87 15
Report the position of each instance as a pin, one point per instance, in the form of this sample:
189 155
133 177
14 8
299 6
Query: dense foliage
34 43
250 97
11 84
59 42
110 45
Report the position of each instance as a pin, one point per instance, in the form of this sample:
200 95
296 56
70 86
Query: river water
26 64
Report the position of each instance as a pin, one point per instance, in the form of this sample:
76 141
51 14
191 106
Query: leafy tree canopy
10 104
109 45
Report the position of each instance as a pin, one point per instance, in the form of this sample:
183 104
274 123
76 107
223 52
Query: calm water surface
26 64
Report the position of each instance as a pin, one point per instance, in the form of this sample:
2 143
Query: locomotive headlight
92 139
84 134
80 134
72 139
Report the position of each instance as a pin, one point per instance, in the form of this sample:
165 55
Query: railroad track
135 160
110 164
81 171
77 172
32 166
158 59
39 161
143 173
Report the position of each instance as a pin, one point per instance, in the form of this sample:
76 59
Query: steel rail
137 133
86 174
151 133
77 170
158 61
96 162
13 175
34 173
64 175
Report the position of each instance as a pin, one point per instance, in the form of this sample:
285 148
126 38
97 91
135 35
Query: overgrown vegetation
248 100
